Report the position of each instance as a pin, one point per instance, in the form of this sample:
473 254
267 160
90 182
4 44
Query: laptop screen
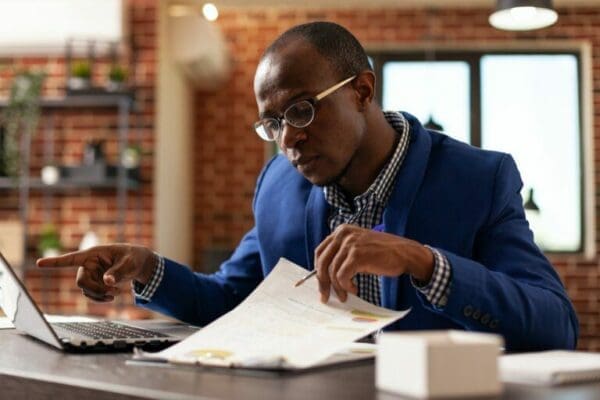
20 308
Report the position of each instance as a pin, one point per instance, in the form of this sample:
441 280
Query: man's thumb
114 274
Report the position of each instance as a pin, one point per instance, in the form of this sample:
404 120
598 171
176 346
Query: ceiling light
522 15
210 12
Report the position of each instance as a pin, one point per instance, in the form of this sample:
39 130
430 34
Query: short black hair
332 41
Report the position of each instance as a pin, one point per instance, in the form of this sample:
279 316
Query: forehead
295 67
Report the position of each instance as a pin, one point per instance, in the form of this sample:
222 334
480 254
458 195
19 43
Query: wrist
148 268
423 264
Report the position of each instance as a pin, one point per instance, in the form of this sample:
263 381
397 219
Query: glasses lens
267 128
300 115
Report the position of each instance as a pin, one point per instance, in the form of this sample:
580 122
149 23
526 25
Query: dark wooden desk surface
32 370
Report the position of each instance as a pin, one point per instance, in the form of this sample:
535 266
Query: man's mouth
304 162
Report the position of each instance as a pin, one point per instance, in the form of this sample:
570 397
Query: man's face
323 150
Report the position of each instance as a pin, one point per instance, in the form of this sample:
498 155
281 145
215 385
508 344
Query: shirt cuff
145 292
437 289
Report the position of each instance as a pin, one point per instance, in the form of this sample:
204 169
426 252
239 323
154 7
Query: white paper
6 323
9 295
282 326
550 367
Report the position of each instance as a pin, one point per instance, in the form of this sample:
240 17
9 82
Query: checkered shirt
368 212
145 292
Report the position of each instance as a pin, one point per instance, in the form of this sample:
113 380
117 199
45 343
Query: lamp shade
522 15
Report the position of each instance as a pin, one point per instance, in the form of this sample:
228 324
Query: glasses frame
258 125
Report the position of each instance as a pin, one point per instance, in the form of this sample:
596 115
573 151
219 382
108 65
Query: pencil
310 274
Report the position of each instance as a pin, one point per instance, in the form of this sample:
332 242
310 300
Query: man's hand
350 250
105 270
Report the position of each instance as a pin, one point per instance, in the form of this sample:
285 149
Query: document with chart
280 326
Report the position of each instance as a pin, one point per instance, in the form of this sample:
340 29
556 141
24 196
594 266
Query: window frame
473 58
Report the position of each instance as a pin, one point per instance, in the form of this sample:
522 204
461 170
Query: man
455 244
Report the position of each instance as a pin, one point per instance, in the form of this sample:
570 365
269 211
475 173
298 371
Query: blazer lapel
406 186
317 211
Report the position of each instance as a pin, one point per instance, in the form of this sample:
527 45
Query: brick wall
228 155
76 211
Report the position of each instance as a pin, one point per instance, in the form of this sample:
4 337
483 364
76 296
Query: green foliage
49 239
117 73
81 69
20 116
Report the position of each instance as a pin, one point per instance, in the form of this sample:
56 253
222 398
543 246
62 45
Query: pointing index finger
74 259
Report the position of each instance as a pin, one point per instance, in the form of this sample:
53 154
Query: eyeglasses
298 115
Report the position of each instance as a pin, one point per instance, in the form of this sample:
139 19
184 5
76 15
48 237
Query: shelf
83 100
65 184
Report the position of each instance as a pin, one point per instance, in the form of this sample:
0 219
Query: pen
378 228
301 281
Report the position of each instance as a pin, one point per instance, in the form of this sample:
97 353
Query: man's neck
376 150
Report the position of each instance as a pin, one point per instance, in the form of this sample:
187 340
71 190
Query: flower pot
77 83
115 86
51 253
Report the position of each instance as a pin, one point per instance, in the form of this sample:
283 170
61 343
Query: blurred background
131 121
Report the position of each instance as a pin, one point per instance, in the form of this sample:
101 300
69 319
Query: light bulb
50 175
210 12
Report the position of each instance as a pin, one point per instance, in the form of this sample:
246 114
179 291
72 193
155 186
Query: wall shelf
120 179
84 100
66 184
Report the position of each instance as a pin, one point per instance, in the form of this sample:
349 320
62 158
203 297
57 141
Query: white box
438 363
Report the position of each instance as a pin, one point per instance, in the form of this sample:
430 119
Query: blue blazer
462 200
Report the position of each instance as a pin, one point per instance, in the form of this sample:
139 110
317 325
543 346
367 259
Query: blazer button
494 324
485 319
476 315
468 310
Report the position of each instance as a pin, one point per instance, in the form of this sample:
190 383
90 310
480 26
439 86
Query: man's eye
271 124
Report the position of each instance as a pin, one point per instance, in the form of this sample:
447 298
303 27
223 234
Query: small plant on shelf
116 78
49 241
81 75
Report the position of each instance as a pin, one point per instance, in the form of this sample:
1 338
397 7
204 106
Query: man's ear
364 86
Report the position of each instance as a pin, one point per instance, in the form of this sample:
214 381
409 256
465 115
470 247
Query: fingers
334 267
97 297
339 258
90 282
330 256
322 260
345 276
76 258
119 272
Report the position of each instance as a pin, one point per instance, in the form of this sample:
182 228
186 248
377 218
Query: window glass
430 89
530 109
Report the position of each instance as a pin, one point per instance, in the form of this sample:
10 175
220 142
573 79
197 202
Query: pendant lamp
523 15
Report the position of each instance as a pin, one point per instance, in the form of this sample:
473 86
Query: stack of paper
550 367
280 326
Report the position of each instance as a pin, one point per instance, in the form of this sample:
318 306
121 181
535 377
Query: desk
32 370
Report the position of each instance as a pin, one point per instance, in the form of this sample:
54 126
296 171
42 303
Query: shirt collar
380 189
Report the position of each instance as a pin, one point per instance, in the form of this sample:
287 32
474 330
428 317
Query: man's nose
290 136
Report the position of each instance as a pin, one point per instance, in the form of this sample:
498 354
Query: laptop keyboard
107 330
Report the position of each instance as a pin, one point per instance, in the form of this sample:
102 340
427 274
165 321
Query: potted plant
19 117
116 78
49 241
81 74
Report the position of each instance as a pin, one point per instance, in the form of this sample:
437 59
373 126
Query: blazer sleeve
198 298
509 287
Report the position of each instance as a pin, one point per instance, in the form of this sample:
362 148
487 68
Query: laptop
96 336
